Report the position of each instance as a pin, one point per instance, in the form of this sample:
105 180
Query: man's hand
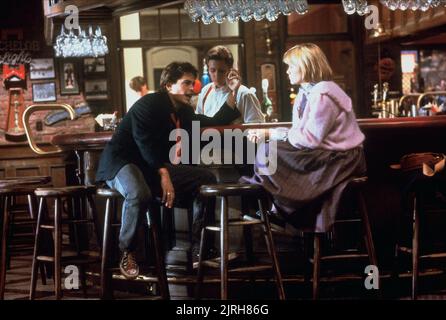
167 188
233 80
256 135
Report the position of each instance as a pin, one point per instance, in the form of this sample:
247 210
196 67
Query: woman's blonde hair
311 62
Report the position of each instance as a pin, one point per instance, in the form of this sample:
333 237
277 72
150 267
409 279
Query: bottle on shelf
267 105
205 79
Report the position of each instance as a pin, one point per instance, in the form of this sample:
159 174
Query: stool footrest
343 257
235 224
256 268
75 260
47 227
432 255
347 221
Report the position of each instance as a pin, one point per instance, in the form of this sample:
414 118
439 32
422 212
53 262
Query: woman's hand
167 188
257 135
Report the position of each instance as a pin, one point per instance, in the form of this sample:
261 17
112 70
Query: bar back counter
387 140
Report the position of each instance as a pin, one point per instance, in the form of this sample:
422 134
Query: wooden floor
432 287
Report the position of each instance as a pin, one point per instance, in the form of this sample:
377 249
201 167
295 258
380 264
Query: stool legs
154 223
74 217
316 264
35 263
368 239
272 250
247 234
4 246
57 247
105 273
224 248
415 244
200 273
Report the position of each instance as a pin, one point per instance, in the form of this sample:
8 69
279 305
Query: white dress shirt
214 98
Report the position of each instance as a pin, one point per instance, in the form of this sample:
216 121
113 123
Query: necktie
176 121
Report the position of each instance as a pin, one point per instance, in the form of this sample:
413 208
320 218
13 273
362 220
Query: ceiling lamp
80 44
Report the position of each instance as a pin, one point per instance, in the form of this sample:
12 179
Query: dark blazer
142 137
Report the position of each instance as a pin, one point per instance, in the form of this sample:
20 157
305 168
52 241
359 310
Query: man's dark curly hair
174 71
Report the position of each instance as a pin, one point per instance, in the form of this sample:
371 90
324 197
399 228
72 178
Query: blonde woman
322 150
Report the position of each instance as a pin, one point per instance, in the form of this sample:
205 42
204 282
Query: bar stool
239 190
10 190
356 186
110 222
75 216
418 192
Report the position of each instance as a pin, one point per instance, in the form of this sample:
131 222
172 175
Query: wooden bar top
97 140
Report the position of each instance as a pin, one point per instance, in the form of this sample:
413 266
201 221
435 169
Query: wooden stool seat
241 190
230 189
64 191
108 193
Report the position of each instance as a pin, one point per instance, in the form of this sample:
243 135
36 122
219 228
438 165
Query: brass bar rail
40 107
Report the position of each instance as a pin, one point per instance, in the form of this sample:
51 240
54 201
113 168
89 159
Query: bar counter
387 140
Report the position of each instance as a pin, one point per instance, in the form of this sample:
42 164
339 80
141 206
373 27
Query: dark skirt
307 184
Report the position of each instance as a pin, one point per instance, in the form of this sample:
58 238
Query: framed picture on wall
45 91
42 69
68 78
96 89
268 71
94 65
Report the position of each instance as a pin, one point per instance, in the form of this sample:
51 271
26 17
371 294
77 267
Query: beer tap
381 107
375 95
385 91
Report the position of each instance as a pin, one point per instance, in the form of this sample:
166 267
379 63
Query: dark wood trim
357 29
177 42
248 33
285 110
141 5
342 36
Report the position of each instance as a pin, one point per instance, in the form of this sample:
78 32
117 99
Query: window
172 24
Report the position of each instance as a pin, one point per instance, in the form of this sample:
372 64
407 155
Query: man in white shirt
139 85
214 95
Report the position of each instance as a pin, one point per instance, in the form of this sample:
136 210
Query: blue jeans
138 194
130 183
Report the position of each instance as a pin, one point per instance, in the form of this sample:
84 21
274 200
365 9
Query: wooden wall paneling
28 171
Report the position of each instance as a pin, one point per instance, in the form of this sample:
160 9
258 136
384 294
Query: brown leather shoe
128 265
